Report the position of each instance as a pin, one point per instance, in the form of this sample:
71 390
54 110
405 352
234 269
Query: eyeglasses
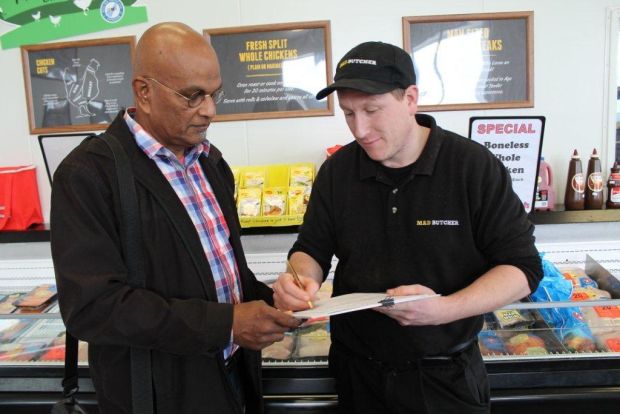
196 98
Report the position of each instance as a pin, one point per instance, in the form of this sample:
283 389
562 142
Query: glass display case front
566 352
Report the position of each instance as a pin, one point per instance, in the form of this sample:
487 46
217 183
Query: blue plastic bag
571 328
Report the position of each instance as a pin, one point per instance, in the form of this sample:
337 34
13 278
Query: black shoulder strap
141 377
130 219
70 381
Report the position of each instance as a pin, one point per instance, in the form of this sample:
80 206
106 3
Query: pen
297 281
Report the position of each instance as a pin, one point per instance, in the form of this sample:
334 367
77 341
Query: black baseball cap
372 67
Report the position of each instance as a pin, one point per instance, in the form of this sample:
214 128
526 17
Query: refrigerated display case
536 368
531 365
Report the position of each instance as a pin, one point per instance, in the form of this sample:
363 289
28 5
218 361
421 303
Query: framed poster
77 86
472 61
517 142
273 71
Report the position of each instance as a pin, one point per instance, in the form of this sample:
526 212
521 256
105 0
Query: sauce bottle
613 187
594 187
574 199
545 194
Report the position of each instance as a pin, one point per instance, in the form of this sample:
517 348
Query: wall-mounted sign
43 20
517 142
54 149
273 71
472 61
77 86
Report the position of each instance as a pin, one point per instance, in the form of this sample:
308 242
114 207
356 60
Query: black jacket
177 316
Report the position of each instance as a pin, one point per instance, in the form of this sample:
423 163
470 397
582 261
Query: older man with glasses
202 315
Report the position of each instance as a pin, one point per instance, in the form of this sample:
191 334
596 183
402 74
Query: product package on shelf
272 195
308 343
568 323
560 330
603 320
313 341
517 332
40 298
25 339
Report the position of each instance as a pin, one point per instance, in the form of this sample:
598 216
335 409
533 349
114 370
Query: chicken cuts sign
77 86
43 20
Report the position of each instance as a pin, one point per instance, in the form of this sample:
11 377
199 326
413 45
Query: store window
616 146
612 83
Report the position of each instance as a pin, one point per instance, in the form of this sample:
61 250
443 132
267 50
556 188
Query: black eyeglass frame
196 98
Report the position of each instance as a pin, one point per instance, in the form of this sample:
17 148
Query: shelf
561 216
36 233
41 233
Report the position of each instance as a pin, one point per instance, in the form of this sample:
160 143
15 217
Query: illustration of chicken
81 91
55 20
83 4
25 18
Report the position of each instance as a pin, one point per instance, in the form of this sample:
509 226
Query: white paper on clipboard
353 302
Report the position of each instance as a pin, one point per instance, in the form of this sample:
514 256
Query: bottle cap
594 153
575 154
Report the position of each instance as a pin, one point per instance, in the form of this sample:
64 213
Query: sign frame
232 84
512 121
450 75
78 100
55 147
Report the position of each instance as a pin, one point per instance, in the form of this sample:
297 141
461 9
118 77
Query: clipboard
353 302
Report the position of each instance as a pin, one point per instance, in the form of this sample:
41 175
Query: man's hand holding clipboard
415 313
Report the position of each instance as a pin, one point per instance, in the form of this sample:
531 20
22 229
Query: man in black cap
409 208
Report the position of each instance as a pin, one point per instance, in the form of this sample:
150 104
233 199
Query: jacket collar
148 175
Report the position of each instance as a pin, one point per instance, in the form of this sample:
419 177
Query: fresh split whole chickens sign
77 86
37 21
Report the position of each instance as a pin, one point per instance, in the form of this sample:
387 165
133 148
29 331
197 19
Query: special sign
516 142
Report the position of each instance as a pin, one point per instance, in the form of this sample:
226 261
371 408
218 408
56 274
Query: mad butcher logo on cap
373 68
358 61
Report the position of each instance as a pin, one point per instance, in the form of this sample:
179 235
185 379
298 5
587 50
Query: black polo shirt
454 217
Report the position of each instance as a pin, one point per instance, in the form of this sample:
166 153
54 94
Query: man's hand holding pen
294 291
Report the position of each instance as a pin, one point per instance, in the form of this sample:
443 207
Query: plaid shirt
193 189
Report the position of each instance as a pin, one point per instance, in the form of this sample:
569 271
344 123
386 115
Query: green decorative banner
43 20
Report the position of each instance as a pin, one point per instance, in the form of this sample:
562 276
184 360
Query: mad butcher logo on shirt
437 223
